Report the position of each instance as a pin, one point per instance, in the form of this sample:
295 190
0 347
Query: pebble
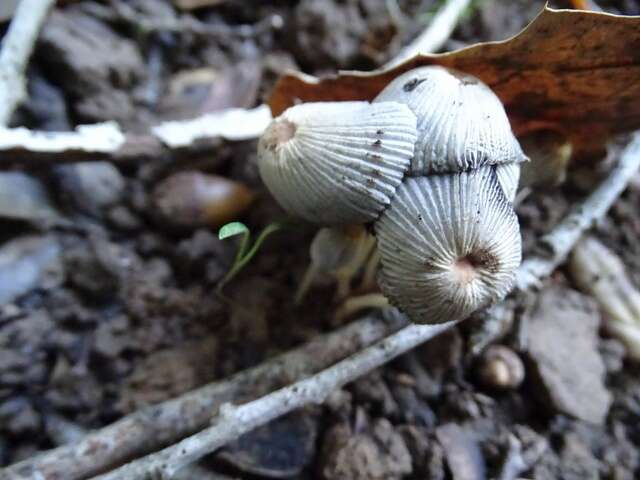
562 339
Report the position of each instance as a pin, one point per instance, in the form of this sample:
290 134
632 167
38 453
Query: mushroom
550 152
433 164
340 252
337 162
462 124
449 245
191 199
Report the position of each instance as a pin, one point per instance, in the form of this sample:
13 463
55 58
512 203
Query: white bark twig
151 428
435 35
167 138
557 244
233 421
561 240
17 46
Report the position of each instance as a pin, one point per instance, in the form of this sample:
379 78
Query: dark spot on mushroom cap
467 267
484 259
279 132
411 85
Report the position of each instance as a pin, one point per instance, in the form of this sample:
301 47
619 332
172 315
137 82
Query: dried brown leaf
577 72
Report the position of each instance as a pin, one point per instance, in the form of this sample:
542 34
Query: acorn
449 245
500 368
462 124
193 199
337 162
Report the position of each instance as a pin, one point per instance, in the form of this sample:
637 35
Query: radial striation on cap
462 124
337 162
449 245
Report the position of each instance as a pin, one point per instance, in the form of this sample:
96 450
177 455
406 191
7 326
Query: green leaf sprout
245 252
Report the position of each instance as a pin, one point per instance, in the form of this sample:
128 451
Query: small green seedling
245 252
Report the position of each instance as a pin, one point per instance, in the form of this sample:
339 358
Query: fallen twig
556 245
435 35
154 427
230 124
17 46
235 421
167 138
98 138
560 241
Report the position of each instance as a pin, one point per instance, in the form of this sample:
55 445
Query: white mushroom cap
509 178
337 162
449 245
461 123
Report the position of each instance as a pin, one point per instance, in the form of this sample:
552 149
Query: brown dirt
125 314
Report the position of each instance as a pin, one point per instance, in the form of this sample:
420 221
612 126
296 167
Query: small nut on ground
501 368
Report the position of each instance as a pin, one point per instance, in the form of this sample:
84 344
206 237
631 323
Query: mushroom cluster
432 164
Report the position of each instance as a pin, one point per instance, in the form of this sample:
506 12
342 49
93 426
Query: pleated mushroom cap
337 162
449 245
509 178
462 124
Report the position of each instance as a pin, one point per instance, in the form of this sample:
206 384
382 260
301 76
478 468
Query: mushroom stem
307 280
340 252
346 274
370 271
355 304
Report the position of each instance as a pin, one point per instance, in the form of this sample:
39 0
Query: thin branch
106 140
234 421
17 46
152 428
435 35
558 243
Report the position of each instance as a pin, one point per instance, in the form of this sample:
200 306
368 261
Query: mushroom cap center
467 267
464 270
278 133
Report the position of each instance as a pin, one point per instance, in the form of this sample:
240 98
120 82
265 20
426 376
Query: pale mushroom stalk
310 274
370 271
345 274
340 252
550 153
353 305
